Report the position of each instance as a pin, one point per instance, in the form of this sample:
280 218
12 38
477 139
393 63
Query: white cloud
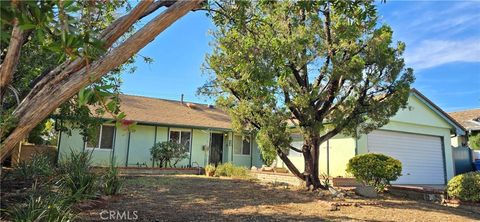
431 53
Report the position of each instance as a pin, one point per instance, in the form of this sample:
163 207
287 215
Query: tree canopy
318 68
72 45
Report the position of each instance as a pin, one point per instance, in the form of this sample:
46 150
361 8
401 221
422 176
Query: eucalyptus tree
318 68
88 41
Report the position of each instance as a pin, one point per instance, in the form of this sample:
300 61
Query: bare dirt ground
200 198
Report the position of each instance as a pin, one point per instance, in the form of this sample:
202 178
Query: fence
24 152
462 158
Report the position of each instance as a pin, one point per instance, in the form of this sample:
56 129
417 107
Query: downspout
191 150
154 142
128 149
58 141
58 146
231 145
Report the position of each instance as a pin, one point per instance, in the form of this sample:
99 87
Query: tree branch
46 99
7 68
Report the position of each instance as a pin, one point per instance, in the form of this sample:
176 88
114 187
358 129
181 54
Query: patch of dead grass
200 198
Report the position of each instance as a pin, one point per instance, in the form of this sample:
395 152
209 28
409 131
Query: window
102 138
181 137
246 146
241 145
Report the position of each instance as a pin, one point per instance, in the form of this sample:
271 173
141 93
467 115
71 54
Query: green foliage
76 177
167 154
42 208
40 166
313 61
474 141
111 181
268 156
230 170
57 32
375 169
465 187
210 170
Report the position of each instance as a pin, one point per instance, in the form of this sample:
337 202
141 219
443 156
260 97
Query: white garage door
421 156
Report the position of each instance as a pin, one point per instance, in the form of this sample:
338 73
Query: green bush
40 166
210 170
76 177
167 154
111 181
229 170
465 187
375 169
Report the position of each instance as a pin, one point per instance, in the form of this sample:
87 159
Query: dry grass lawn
199 198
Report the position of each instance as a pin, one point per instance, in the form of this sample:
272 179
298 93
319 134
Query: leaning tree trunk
50 93
310 151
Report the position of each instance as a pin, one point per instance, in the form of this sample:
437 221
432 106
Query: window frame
100 139
248 138
180 137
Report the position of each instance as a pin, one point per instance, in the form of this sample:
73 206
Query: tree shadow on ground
197 198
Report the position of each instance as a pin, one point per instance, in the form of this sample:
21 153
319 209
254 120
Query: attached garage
418 135
421 155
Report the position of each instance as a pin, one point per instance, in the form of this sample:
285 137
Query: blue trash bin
477 165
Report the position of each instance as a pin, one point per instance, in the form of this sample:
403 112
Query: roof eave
459 129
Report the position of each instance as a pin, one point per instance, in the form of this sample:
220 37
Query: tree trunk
311 158
289 164
43 101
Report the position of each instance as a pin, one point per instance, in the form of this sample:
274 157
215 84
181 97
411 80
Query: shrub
167 154
375 169
76 177
210 170
40 166
43 207
111 181
229 170
465 187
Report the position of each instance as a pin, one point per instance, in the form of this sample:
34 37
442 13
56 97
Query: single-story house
204 130
419 136
470 120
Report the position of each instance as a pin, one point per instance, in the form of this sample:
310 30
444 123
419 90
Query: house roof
459 129
470 119
157 111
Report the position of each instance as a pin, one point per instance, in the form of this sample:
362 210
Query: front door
216 148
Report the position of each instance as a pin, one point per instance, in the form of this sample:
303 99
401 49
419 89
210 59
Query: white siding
421 156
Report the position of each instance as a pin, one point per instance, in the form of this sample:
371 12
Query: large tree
318 68
90 51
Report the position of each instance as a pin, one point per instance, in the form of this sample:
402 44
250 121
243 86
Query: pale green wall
341 149
417 118
240 159
200 138
141 141
70 143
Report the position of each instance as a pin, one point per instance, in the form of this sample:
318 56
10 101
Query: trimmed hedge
465 187
375 169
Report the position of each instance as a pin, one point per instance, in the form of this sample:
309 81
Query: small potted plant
209 170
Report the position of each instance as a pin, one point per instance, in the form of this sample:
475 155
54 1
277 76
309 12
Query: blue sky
442 38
